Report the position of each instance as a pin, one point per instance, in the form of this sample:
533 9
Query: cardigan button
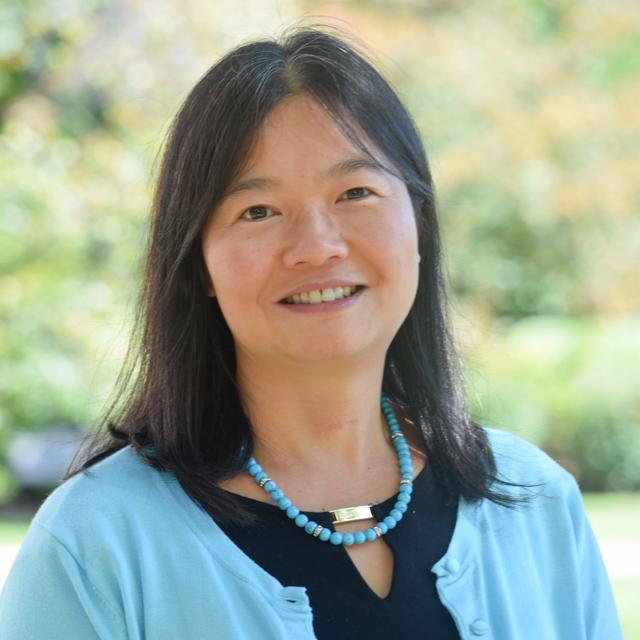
479 627
452 566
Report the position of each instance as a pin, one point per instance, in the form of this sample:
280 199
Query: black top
343 604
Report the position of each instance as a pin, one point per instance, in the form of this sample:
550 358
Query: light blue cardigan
124 553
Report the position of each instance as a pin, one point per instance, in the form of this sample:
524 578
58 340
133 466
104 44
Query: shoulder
522 462
83 540
104 497
549 498
519 460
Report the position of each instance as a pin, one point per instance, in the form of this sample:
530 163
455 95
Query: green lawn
627 595
612 516
616 516
13 531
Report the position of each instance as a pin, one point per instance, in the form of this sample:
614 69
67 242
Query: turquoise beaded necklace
325 534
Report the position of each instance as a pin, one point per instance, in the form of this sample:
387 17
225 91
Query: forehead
300 135
301 113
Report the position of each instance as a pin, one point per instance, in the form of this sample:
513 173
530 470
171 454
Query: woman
294 458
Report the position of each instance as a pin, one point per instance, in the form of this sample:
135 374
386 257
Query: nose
314 238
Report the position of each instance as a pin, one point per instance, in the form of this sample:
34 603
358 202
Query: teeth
321 295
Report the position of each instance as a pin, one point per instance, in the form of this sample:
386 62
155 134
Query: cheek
236 267
400 255
398 238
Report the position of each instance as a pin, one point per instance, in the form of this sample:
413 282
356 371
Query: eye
358 190
259 209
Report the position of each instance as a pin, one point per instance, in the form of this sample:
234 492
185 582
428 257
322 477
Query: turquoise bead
383 527
254 468
404 497
347 539
325 534
301 520
284 503
400 506
336 538
270 486
310 527
406 488
260 475
359 537
292 512
390 522
276 494
370 534
397 515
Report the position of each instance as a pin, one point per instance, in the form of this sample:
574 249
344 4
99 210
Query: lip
320 284
325 307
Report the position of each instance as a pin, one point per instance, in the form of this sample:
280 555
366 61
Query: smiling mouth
322 296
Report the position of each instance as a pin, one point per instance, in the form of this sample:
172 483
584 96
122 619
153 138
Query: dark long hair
177 390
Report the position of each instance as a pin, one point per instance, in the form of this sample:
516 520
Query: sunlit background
529 110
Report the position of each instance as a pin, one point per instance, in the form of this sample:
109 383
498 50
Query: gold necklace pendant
352 514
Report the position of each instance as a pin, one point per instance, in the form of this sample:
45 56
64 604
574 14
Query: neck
308 422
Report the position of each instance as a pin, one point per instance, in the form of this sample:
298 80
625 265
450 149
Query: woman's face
302 224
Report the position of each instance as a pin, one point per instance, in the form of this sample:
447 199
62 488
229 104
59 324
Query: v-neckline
237 563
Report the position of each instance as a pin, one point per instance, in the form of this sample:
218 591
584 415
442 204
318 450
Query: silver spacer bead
406 481
264 481
397 434
378 530
317 530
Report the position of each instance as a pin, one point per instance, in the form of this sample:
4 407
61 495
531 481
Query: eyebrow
338 170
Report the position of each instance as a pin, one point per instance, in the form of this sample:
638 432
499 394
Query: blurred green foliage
569 384
529 115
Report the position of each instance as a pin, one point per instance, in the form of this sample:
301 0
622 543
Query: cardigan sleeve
601 619
48 595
